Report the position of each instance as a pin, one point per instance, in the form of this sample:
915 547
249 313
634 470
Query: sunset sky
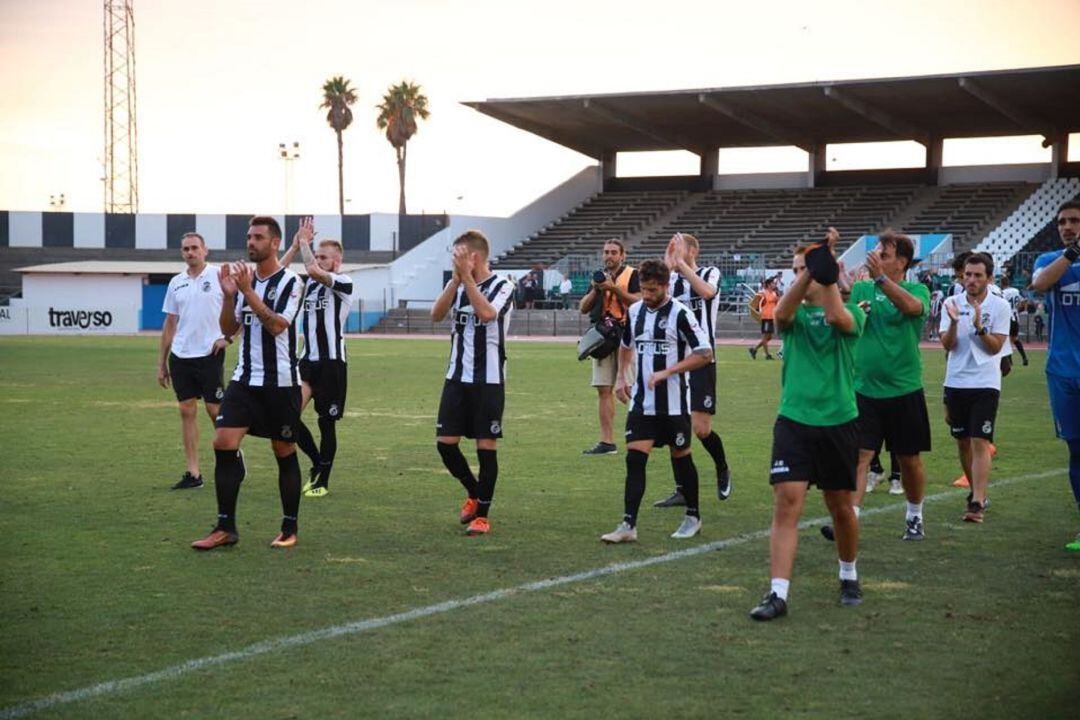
222 82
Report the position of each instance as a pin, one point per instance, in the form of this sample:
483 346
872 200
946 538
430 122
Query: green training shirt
887 359
818 380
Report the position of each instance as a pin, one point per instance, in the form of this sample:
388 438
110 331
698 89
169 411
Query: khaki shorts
604 371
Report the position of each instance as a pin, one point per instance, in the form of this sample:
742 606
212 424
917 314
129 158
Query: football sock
675 474
289 487
635 485
914 510
780 586
687 477
489 473
1074 469
875 464
847 571
307 443
228 474
327 449
715 447
458 466
1020 348
894 467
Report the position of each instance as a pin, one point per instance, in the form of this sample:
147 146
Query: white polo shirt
196 302
969 365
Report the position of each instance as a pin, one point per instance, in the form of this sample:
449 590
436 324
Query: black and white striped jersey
660 339
326 308
267 360
679 288
478 349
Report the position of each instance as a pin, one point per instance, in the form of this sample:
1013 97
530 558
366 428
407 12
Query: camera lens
599 276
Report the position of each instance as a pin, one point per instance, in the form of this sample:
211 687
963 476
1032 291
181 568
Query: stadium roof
147 267
1032 101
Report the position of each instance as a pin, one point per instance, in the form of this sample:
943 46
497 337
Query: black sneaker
188 482
850 593
986 502
601 448
914 530
770 608
827 533
753 353
769 357
676 499
723 483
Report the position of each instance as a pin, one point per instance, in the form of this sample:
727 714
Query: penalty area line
174 672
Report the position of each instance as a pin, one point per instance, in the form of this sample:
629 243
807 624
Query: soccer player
192 354
765 304
473 394
263 398
1057 274
888 372
668 343
609 298
697 288
815 437
973 332
1012 296
324 372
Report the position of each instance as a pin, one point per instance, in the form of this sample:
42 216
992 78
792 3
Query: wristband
981 331
880 280
1072 253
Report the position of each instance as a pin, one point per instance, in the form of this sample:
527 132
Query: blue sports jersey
1063 307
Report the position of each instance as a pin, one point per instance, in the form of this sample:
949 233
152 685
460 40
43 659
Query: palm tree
399 110
337 97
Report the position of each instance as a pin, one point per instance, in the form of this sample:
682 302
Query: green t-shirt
818 380
887 359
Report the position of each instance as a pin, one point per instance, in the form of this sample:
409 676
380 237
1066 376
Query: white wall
760 181
417 275
384 230
1031 172
24 229
151 231
89 230
212 228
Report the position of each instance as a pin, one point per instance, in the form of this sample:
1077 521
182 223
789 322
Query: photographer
613 290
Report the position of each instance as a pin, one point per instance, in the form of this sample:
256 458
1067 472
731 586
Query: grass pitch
99 583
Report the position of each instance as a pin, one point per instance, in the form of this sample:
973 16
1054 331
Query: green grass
99 583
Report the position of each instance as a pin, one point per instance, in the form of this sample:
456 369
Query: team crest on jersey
219 393
496 427
206 286
987 427
662 324
708 401
271 294
333 410
680 439
286 431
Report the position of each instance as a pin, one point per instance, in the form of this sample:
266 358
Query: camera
599 276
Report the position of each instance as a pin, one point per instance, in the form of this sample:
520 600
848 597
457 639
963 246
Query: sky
222 82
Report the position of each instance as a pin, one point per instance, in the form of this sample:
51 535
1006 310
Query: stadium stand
769 222
1029 221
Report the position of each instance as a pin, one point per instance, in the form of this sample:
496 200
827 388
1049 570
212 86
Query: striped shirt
478 349
661 338
326 308
704 310
268 360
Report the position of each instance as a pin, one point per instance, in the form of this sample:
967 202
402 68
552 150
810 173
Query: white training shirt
196 303
969 365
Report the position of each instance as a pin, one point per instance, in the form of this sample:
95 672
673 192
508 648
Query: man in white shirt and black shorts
192 354
263 398
974 329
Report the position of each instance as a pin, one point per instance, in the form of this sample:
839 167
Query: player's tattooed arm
272 322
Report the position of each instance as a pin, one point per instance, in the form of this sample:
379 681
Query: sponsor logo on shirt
653 347
779 467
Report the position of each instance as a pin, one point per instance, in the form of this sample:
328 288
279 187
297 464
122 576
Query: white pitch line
268 646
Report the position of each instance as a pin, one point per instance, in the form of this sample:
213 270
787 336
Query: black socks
715 447
635 485
458 466
489 473
306 443
228 474
289 487
687 478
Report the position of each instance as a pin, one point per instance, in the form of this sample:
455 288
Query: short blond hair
475 240
336 244
691 241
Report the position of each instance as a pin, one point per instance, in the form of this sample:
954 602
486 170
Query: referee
192 352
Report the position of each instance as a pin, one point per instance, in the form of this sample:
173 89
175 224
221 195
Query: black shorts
471 410
673 430
269 412
329 381
703 389
971 412
200 377
826 456
902 422
767 326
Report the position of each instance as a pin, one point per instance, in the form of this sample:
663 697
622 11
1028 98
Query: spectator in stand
565 288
